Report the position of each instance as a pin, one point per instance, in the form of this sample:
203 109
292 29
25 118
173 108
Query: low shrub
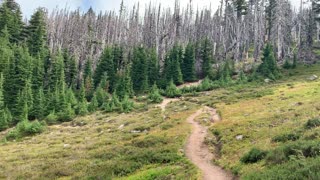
253 156
312 123
296 149
26 128
286 137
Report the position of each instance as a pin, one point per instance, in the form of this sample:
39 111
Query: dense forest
69 63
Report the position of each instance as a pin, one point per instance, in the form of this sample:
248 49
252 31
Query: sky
28 6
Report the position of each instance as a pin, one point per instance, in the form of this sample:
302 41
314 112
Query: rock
121 126
66 145
135 131
313 78
181 151
267 80
239 137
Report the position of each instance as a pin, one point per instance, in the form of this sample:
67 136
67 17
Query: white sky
28 6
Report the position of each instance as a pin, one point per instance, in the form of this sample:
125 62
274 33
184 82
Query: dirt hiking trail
198 152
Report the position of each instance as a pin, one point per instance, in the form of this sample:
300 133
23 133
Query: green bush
294 169
26 128
253 156
154 96
286 137
52 118
312 123
149 141
172 91
296 149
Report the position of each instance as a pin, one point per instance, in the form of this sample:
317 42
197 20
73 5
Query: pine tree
118 58
70 69
25 100
38 110
37 73
153 67
5 51
36 34
172 90
139 71
105 65
83 104
71 98
206 56
126 104
88 82
94 105
269 67
57 76
189 71
172 67
4 120
10 17
295 61
19 72
154 95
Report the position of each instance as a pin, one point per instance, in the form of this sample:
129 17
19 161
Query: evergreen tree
4 119
37 73
172 90
94 105
269 67
19 72
172 67
102 96
105 65
139 71
206 56
70 69
10 17
154 95
124 85
153 67
83 104
88 82
118 58
57 76
25 102
126 104
189 71
38 110
36 34
71 98
5 51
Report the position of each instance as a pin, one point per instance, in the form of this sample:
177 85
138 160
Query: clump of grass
26 128
253 156
286 137
313 123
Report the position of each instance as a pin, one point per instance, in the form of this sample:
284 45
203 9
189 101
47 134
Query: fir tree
172 90
126 104
83 104
206 56
154 95
25 100
269 67
4 119
36 34
189 71
5 51
94 105
38 110
105 65
139 73
153 67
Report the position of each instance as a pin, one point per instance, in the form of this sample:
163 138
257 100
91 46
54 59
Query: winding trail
196 150
199 153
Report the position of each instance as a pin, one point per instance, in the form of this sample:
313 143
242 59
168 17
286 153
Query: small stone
239 137
313 78
66 145
121 126
267 80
